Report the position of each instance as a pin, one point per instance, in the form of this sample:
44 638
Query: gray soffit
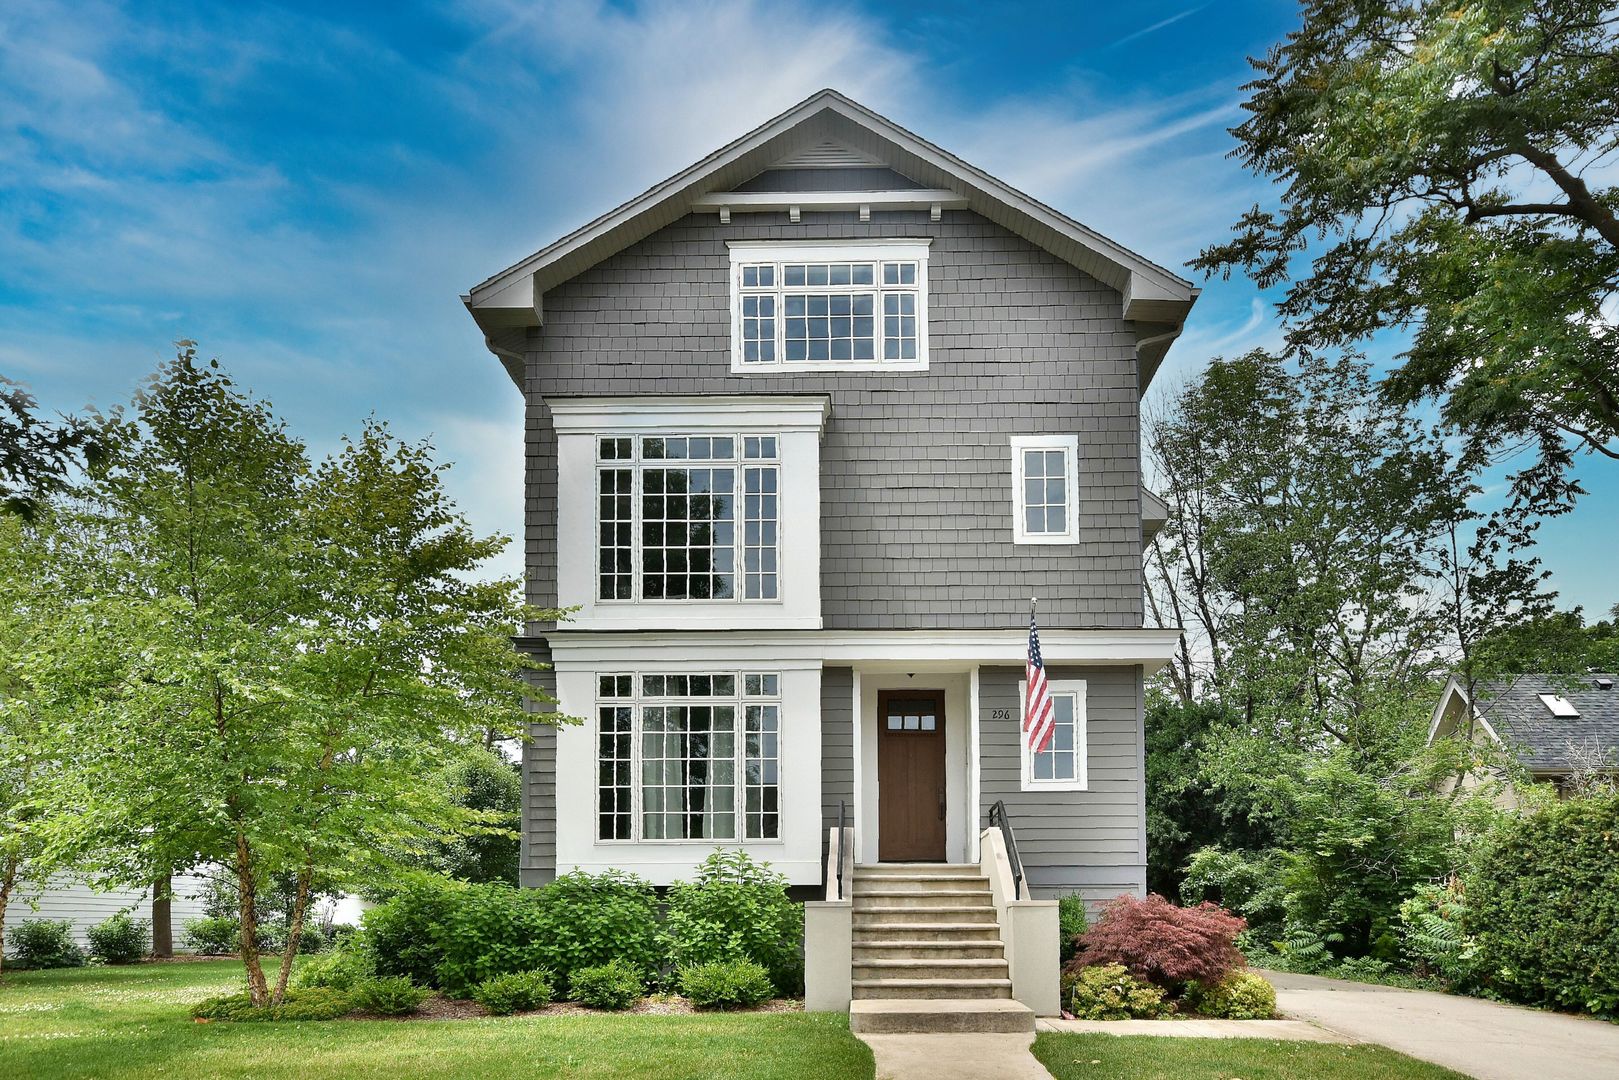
1547 743
1154 297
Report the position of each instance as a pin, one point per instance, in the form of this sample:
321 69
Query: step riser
942 950
891 914
912 869
885 933
945 973
1007 1023
943 991
931 886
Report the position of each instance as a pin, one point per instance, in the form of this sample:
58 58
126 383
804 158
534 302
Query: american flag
1038 713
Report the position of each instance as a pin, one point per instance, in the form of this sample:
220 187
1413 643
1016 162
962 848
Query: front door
910 775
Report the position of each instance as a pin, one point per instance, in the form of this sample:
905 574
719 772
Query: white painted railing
1029 929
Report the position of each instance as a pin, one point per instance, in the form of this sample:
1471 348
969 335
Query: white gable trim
1152 294
1454 689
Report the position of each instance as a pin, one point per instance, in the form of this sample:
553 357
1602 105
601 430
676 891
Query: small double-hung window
1061 764
849 305
1044 471
687 517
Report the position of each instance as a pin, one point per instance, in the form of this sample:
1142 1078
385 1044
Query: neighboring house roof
1155 298
1514 713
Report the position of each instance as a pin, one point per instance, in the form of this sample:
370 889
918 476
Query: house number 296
1000 714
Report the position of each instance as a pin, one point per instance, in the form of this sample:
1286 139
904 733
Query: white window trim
1082 742
857 250
1070 445
636 702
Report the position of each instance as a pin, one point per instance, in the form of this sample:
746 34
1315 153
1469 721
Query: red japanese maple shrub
1166 945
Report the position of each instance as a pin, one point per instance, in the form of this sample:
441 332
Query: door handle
941 802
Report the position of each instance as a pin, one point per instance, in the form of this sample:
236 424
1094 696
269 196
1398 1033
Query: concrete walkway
1480 1038
977 1056
1285 1030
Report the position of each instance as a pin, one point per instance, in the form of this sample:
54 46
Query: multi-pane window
793 311
1061 764
702 745
1058 761
614 758
1043 474
667 517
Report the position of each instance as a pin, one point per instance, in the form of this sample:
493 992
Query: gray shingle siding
537 861
1093 841
916 526
837 748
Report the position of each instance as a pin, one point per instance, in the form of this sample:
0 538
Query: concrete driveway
1480 1038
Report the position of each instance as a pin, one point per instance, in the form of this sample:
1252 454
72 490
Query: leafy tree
486 784
305 645
35 455
1561 643
1305 518
1185 812
1450 154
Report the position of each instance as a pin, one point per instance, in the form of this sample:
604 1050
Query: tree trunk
258 989
295 932
6 884
162 918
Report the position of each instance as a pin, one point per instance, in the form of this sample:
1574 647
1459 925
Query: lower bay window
688 756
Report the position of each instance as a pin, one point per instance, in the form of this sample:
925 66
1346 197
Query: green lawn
1145 1057
134 1022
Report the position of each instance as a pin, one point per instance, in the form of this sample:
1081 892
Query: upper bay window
845 305
687 517
1044 471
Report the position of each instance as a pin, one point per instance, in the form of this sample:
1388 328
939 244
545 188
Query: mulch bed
439 1007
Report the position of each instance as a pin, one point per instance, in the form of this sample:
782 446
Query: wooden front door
910 775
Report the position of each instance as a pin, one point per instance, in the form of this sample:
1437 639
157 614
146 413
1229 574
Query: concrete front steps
928 954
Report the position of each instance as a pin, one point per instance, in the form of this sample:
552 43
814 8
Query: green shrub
391 995
338 968
1543 904
402 934
45 943
1245 882
614 985
1432 934
737 909
1242 995
213 936
316 1003
586 920
489 930
1362 969
1110 992
122 939
1071 922
514 991
727 984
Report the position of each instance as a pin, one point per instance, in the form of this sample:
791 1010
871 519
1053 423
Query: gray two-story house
808 426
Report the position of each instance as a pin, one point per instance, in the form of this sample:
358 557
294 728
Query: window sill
811 367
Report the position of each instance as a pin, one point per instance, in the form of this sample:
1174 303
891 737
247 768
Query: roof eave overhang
1156 299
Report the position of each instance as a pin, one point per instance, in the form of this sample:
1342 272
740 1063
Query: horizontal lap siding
1094 841
837 748
67 897
538 864
916 521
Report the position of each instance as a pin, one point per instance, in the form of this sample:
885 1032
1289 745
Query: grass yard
129 1022
1144 1057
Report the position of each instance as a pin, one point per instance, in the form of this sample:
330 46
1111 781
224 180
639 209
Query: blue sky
306 189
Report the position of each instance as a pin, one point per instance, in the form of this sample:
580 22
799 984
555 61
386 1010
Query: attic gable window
849 305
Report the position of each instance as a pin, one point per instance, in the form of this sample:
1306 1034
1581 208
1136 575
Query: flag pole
1032 602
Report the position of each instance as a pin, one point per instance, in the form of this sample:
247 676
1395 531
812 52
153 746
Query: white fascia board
1149 648
606 415
757 202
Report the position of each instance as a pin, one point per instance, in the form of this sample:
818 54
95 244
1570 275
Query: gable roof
1157 299
1514 714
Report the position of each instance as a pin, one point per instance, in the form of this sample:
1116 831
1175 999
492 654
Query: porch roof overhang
893 650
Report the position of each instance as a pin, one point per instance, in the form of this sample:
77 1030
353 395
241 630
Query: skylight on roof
1559 705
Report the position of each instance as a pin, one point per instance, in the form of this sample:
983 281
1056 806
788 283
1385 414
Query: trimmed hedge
45 943
1544 908
1111 992
614 985
1242 995
515 991
731 984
